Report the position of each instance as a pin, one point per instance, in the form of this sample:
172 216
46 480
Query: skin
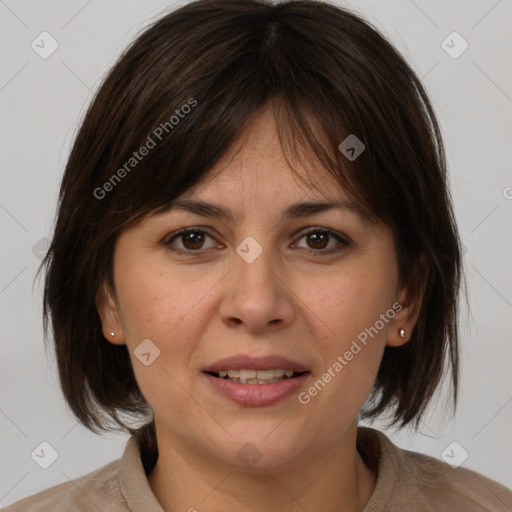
294 300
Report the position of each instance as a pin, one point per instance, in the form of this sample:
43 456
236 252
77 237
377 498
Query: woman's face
256 285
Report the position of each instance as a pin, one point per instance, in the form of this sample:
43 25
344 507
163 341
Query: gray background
41 103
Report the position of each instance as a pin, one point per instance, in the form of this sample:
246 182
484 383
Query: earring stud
401 332
112 334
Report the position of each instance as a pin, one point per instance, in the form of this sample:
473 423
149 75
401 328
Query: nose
257 294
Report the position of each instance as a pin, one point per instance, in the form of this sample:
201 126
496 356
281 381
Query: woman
255 247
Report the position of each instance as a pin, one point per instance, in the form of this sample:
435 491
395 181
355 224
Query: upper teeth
255 374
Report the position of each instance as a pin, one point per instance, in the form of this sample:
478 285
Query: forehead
253 186
256 164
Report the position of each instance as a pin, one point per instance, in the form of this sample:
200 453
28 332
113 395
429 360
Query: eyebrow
293 211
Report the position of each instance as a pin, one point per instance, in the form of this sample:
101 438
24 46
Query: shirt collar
134 482
375 448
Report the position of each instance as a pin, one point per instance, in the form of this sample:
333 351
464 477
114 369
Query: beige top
407 481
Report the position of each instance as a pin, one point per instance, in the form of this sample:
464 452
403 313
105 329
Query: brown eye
192 240
318 239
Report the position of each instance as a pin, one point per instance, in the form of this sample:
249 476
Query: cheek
353 301
156 300
157 305
355 315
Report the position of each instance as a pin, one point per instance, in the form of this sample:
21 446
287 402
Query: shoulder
98 490
442 487
414 481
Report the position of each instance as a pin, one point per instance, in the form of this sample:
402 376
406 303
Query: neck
336 480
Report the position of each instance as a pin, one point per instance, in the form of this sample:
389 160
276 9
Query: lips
241 361
256 393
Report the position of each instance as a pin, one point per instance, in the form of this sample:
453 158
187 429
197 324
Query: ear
108 311
408 305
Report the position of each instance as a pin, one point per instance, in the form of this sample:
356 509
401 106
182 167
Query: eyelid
191 229
343 239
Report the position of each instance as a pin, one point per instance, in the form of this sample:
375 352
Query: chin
258 450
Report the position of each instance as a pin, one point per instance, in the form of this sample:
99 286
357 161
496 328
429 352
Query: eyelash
319 252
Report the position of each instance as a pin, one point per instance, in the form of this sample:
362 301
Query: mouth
248 376
253 382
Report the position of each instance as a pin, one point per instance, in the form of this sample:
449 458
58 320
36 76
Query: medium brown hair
329 74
